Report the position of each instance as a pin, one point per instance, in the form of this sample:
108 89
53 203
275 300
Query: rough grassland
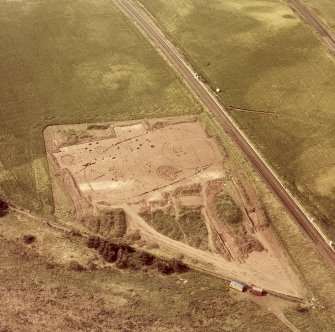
71 62
265 59
39 296
325 9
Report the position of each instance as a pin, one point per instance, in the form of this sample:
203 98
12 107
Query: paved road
325 32
210 102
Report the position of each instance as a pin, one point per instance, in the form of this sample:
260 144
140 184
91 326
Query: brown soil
139 163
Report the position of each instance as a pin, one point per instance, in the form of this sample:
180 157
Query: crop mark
237 109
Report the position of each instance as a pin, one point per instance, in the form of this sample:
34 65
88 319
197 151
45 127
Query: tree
3 208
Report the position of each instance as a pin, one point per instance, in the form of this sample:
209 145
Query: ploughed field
164 184
277 78
70 62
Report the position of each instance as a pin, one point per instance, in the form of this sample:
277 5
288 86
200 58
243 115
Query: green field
71 62
265 59
82 61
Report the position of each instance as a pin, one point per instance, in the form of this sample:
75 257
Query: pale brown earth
142 166
138 163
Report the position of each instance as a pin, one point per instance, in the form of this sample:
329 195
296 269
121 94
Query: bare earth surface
138 163
142 167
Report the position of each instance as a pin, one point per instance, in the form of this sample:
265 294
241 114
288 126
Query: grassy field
81 61
265 59
325 9
71 62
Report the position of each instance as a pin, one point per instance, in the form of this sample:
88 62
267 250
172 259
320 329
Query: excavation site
166 184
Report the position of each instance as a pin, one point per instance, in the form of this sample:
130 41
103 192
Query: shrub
301 308
178 266
109 251
75 266
146 258
3 208
122 260
75 233
92 266
126 257
165 267
28 239
93 242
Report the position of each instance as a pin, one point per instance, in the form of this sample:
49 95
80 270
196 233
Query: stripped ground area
167 181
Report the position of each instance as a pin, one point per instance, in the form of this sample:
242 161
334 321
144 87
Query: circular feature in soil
176 150
68 159
167 172
189 155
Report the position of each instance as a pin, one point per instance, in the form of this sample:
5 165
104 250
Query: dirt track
257 269
210 102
